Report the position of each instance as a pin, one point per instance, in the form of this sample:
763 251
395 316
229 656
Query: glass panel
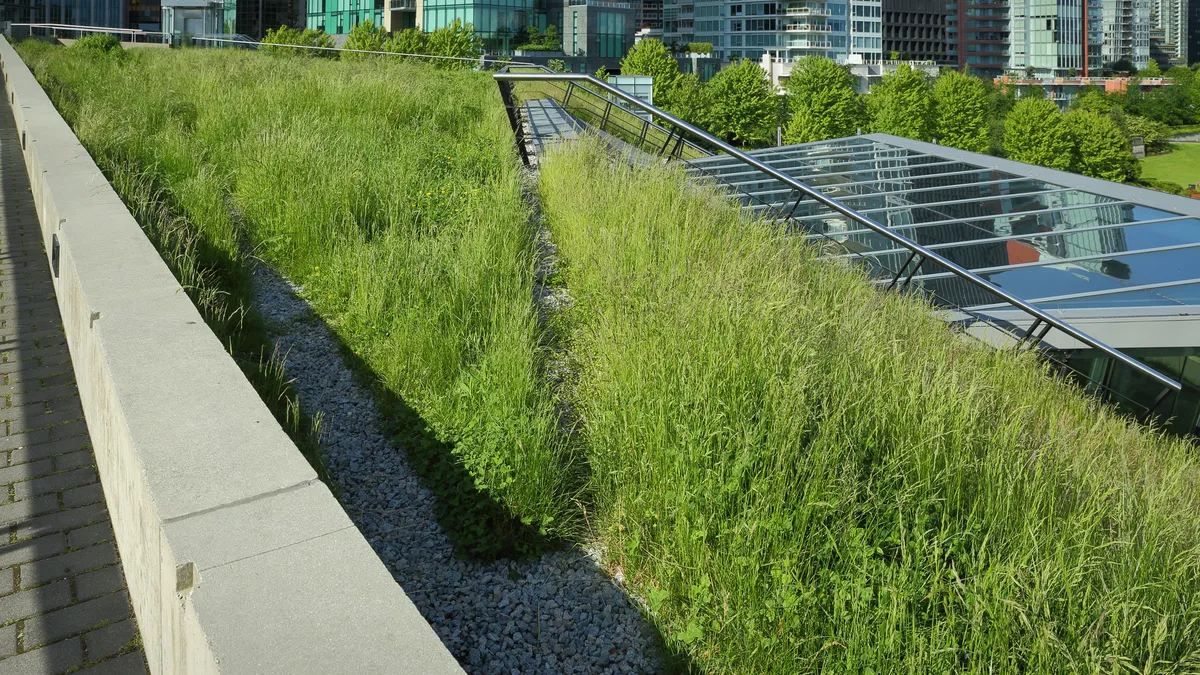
1118 271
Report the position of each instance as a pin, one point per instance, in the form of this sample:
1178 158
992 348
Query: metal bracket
1162 396
914 256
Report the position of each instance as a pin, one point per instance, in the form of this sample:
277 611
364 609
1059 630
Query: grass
396 207
797 473
1181 165
802 474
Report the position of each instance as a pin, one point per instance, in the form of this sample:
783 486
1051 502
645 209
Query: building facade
100 13
848 31
1193 53
1056 38
1169 36
1126 32
337 17
915 29
977 36
650 14
598 28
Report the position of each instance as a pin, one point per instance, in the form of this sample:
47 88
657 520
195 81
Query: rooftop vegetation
796 472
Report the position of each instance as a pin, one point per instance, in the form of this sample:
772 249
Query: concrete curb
238 559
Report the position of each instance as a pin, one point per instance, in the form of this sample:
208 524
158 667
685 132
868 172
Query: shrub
366 36
407 41
699 47
277 39
456 40
101 43
1098 148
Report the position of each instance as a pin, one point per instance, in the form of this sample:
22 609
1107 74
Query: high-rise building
256 17
847 31
339 16
1193 47
1169 37
599 30
1056 38
105 13
915 29
1126 32
650 14
977 36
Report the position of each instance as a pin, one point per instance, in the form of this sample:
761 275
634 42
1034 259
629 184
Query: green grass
802 474
1180 166
390 192
1185 129
796 472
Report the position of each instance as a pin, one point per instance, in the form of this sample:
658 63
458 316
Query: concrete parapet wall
238 559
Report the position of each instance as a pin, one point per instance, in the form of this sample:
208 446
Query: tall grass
390 193
802 474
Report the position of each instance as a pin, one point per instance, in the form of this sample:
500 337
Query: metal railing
61 30
568 89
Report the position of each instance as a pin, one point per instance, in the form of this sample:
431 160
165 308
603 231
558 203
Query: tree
901 104
744 106
1151 70
1182 74
407 41
650 57
1034 133
960 112
1122 66
1000 100
1153 134
365 36
1099 149
690 100
602 73
823 101
457 40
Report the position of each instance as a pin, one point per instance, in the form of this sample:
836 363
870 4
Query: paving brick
56 625
104 642
26 471
32 549
133 663
43 394
99 582
61 520
18 441
55 483
66 564
88 494
50 660
89 535
8 641
74 460
69 430
47 448
7 580
18 512
35 601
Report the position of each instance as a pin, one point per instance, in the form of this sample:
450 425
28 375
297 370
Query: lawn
796 472
1181 165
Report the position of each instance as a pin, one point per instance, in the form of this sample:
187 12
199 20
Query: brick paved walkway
63 603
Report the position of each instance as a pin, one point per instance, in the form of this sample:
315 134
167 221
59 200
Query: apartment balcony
807 28
402 5
805 10
809 44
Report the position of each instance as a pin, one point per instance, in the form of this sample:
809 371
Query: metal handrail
806 191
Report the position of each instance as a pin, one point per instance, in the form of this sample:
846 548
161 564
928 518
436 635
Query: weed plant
390 193
802 474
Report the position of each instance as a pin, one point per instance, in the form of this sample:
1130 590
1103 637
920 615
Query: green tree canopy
1153 134
901 104
293 36
650 57
1182 74
1098 148
1151 70
823 101
744 106
365 36
960 110
1035 133
690 100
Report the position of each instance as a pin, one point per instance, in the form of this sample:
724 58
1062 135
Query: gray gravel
560 613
